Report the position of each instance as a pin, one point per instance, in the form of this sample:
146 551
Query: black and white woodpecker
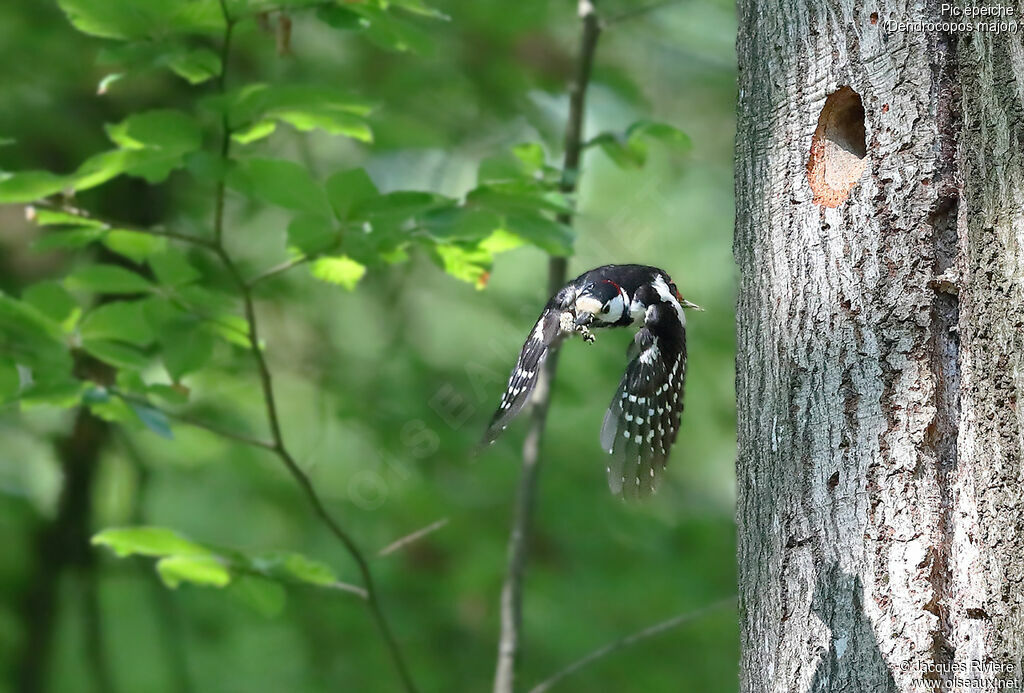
643 419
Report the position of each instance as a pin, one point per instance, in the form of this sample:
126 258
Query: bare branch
512 589
410 538
648 632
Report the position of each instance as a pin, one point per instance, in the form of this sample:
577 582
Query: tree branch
410 538
621 643
509 644
110 224
278 446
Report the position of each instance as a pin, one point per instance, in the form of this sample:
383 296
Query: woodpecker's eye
606 308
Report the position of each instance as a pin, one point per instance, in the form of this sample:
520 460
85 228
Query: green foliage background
384 388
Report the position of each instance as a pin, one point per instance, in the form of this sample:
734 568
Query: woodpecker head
604 301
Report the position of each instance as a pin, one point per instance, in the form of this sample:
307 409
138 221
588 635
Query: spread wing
524 375
643 419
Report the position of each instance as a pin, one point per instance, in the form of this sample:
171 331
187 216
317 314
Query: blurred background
386 389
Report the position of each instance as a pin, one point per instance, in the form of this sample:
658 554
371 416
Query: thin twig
621 643
225 134
509 644
196 423
277 269
410 538
110 224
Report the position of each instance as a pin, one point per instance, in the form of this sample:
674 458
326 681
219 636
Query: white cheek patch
614 314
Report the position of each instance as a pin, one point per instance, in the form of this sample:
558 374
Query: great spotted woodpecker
643 419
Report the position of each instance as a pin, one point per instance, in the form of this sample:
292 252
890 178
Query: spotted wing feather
642 421
524 375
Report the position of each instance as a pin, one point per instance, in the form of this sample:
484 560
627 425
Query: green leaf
303 107
199 570
29 186
256 131
419 7
550 236
467 263
346 189
310 234
391 33
293 566
340 18
280 182
52 300
659 131
185 348
135 19
340 270
121 321
460 223
196 66
108 279
172 267
28 337
153 419
56 217
68 240
161 129
10 380
148 541
116 354
134 245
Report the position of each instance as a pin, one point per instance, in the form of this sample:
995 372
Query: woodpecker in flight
643 419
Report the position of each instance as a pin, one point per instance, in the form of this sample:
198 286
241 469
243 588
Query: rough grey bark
879 363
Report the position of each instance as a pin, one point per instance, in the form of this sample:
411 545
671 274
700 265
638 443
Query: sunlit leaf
340 270
29 186
133 244
293 566
198 570
148 541
256 131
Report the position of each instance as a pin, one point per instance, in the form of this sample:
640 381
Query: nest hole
838 150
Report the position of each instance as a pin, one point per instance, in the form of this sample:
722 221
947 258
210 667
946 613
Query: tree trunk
880 241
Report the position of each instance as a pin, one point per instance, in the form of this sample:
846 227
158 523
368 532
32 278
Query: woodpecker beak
686 304
584 319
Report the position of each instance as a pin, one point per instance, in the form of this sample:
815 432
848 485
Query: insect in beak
584 319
